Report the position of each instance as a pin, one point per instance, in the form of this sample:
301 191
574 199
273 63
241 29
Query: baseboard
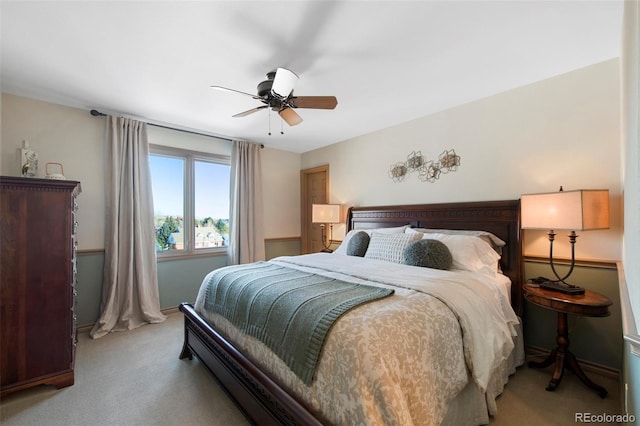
85 328
587 366
169 311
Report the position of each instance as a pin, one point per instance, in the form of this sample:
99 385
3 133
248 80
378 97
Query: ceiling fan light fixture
276 94
290 116
283 83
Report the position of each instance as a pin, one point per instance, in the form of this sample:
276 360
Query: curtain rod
97 113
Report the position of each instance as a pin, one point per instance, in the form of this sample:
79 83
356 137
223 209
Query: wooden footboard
261 399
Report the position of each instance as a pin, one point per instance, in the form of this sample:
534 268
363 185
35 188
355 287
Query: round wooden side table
589 304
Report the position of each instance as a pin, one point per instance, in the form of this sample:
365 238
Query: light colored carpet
525 402
136 378
128 378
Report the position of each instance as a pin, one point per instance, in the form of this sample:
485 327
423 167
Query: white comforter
402 359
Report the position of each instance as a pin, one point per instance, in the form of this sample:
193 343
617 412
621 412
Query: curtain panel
130 295
246 232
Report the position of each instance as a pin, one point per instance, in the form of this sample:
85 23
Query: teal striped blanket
290 311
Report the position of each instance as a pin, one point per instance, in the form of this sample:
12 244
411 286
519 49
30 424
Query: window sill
164 257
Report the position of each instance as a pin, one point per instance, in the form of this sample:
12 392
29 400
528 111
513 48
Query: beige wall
73 137
66 135
560 131
281 186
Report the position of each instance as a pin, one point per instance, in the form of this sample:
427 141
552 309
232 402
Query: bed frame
265 402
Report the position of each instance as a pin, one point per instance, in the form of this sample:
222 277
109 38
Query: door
315 190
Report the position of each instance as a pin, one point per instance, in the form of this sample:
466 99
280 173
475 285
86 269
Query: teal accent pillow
428 253
358 244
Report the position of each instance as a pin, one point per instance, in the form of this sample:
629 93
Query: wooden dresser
37 278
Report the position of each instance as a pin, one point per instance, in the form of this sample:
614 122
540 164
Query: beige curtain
130 296
246 234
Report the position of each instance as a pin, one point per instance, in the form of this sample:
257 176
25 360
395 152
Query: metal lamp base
561 287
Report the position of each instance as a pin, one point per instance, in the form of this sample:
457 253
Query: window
191 201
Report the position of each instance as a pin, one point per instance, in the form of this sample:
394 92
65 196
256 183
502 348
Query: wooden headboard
501 218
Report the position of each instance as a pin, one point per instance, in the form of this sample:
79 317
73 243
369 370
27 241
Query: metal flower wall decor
428 170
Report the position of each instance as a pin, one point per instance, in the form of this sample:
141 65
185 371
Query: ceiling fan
276 92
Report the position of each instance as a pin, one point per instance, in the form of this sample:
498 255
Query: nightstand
589 304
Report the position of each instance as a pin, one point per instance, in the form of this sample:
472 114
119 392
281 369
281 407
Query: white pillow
342 248
470 253
490 238
389 247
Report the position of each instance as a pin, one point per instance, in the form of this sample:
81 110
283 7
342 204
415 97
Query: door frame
305 203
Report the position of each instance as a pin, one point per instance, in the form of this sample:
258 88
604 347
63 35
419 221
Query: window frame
189 157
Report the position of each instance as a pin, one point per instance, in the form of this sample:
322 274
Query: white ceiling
387 62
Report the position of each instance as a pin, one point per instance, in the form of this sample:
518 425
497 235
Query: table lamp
579 210
325 214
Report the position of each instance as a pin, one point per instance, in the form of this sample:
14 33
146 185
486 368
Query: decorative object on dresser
38 261
50 171
580 210
325 214
27 160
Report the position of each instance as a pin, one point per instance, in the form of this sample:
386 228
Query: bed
268 393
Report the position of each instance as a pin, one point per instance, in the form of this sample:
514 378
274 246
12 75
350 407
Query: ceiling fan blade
250 111
226 89
290 116
316 102
283 83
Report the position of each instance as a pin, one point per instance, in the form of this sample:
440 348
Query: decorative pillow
389 247
358 244
342 248
428 253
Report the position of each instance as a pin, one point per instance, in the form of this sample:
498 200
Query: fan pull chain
269 109
281 126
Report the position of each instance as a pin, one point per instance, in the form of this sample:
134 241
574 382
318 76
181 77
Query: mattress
441 338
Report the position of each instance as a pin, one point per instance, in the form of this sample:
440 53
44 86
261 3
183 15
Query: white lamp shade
578 210
283 82
325 213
